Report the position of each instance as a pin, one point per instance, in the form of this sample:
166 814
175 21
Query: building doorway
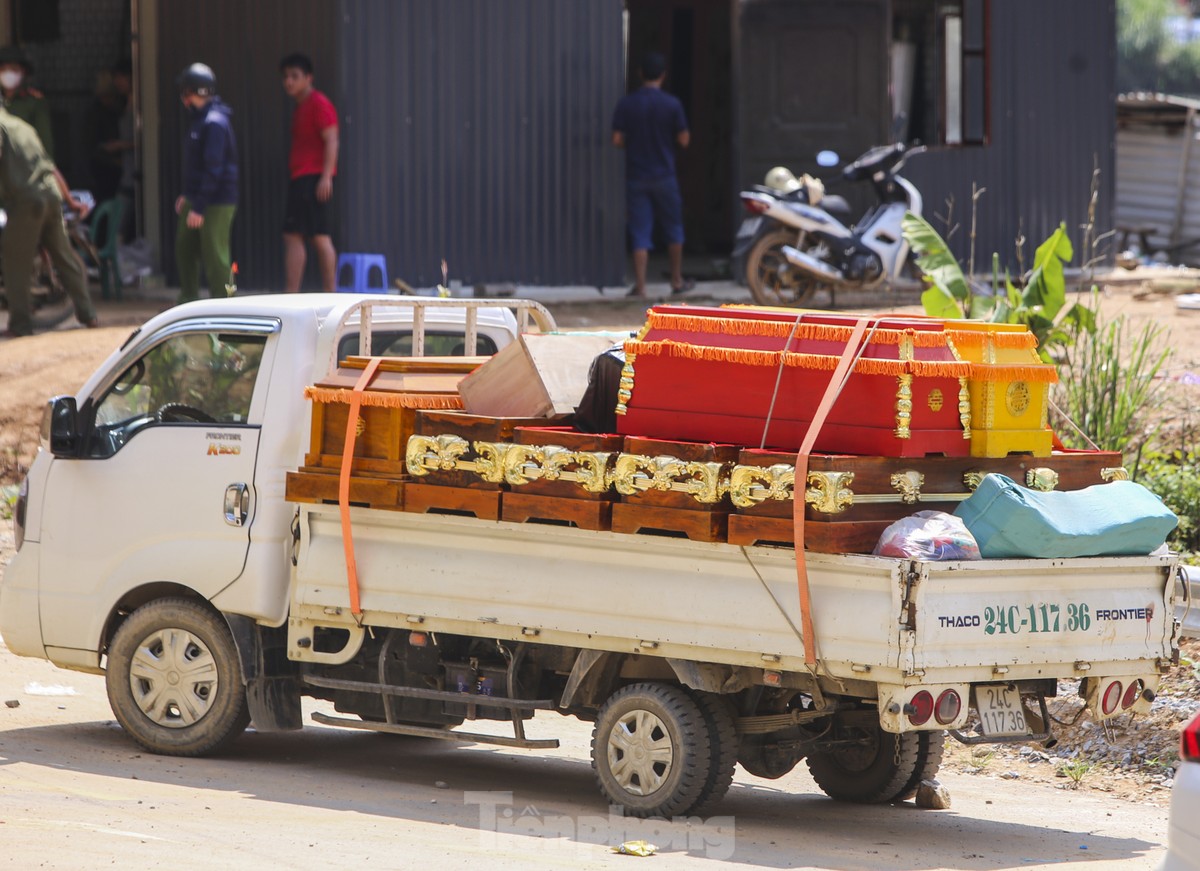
694 36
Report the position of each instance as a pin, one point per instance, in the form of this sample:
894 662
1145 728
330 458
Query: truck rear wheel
930 748
868 765
174 679
651 750
721 723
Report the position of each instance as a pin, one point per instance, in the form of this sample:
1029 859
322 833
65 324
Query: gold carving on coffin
972 480
360 426
904 407
905 348
499 462
1016 398
1114 473
908 484
1041 479
625 385
634 473
749 485
936 400
964 407
829 492
426 453
591 471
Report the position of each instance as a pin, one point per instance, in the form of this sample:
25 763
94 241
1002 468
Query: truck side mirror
60 426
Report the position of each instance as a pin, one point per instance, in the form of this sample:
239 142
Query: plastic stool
354 273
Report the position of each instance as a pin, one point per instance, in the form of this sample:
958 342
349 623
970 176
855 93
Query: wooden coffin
591 452
850 500
535 376
751 376
444 450
387 412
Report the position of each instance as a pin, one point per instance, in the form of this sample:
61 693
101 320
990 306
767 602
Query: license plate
749 227
1000 711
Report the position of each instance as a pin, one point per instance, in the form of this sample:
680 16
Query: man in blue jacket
210 178
650 124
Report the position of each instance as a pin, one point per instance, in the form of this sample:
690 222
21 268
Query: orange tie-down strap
356 395
814 428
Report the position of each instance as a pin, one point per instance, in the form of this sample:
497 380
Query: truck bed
882 619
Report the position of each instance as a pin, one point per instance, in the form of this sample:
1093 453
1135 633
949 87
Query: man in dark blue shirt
649 124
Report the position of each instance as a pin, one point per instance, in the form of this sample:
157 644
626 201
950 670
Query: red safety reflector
772 678
1189 741
920 709
418 639
949 704
1111 698
754 207
1132 695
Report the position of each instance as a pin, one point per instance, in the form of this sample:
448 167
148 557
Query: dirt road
76 793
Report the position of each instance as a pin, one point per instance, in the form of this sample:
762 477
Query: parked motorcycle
800 247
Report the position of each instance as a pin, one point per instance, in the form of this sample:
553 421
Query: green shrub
1175 477
1109 382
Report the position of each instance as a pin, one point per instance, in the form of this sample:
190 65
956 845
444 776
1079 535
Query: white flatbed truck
156 547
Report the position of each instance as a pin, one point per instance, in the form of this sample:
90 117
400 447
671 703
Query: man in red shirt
312 164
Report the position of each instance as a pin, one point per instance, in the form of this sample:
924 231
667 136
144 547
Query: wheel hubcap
173 677
640 755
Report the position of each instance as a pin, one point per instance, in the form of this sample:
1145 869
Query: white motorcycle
805 248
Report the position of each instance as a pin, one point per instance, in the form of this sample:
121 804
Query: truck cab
166 471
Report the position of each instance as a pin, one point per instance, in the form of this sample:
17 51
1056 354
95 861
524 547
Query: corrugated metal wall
243 43
472 130
479 131
1053 102
1148 191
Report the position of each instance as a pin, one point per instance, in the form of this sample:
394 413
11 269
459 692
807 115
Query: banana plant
1039 305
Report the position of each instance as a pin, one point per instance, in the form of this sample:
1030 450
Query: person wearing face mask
22 100
210 180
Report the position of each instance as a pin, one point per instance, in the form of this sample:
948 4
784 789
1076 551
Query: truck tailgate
1040 617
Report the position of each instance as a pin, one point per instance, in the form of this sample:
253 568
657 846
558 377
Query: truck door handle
237 504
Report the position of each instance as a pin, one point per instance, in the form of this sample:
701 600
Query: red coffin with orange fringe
754 377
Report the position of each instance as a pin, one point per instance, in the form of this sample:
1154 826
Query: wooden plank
649 519
432 499
462 365
520 507
305 486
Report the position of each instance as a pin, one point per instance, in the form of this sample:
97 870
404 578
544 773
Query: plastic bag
928 535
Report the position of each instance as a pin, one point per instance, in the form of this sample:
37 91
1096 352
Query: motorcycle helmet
197 79
781 178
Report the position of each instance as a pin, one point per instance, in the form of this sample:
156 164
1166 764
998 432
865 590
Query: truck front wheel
868 765
174 679
651 750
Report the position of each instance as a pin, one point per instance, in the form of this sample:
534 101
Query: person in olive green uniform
32 192
23 101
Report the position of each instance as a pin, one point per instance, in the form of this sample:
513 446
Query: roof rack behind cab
363 314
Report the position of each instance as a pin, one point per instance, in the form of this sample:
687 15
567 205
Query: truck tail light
1132 695
19 513
754 206
1189 740
948 706
1111 698
920 709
